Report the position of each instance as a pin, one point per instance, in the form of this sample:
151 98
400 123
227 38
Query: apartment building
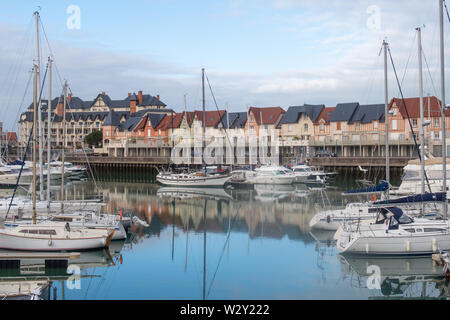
83 117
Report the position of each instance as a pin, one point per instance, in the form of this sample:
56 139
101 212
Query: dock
12 260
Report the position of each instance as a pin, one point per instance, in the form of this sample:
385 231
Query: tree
94 139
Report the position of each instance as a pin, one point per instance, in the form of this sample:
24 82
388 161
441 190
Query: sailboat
393 232
49 235
201 178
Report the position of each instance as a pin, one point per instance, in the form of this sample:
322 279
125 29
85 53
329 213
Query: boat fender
433 245
328 219
50 242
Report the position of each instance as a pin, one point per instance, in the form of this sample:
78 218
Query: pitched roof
267 115
293 113
369 113
413 107
170 121
325 114
239 121
212 118
344 111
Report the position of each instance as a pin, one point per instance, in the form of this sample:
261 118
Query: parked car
325 153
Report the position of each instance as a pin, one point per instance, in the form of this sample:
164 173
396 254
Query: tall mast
49 127
421 129
444 135
35 107
386 115
38 90
204 117
64 146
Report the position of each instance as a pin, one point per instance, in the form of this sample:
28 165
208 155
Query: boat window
419 230
434 230
373 210
48 232
410 230
393 224
411 175
404 219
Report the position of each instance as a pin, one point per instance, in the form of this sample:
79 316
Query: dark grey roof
372 112
229 117
113 118
293 113
239 121
129 124
155 119
344 112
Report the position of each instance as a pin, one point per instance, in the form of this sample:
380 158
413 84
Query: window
437 135
375 125
414 123
306 127
148 132
357 125
437 122
322 127
338 125
394 124
289 127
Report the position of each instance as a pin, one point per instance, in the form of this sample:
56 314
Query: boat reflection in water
399 278
33 281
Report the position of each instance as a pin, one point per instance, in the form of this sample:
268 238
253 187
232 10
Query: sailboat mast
38 89
421 129
34 139
204 117
49 127
64 146
386 115
444 135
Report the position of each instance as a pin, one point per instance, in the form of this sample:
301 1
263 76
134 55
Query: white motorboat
394 233
53 236
411 180
198 179
8 177
272 175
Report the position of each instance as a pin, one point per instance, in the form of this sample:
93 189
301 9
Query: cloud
338 60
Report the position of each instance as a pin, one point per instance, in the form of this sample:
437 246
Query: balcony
354 139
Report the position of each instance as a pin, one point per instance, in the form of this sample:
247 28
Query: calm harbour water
235 244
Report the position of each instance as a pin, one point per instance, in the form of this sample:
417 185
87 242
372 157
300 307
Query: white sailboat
200 179
393 232
49 235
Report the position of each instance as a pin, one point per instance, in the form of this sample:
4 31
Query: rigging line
34 138
217 107
15 70
409 58
446 10
407 113
429 73
24 96
223 249
51 52
87 160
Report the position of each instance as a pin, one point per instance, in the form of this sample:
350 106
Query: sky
255 52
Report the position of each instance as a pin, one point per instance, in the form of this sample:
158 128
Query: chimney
157 97
133 103
103 93
140 97
129 94
69 97
59 108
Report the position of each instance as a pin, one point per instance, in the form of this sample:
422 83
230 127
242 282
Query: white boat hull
209 181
